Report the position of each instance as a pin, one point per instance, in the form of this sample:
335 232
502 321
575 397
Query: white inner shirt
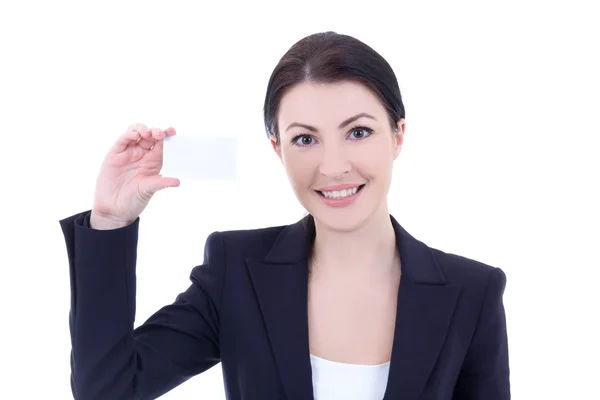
333 380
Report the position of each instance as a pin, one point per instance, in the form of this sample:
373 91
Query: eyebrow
340 126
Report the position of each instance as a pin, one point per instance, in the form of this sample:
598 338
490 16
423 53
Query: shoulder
224 249
254 243
472 274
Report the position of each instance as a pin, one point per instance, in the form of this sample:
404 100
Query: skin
355 270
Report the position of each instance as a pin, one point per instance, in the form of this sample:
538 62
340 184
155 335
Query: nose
334 163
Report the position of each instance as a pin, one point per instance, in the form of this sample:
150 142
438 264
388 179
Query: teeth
340 194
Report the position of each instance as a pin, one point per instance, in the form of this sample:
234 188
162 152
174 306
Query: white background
500 161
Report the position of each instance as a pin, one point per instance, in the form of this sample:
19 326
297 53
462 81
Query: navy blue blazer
246 308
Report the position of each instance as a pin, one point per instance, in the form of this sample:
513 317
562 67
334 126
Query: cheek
298 168
373 161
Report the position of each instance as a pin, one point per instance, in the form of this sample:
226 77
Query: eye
302 140
360 132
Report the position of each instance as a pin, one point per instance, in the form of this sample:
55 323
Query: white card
200 157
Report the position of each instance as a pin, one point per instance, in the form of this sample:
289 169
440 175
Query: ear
399 137
276 147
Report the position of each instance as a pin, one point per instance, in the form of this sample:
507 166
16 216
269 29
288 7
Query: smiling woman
345 140
321 86
343 304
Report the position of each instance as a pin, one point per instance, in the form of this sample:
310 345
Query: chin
340 220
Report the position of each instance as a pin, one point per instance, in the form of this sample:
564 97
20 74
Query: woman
343 304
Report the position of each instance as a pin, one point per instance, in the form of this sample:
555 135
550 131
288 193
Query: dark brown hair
329 57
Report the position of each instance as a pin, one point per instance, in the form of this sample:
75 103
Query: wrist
103 222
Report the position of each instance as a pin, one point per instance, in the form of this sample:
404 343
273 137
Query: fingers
153 184
148 142
170 131
133 135
142 136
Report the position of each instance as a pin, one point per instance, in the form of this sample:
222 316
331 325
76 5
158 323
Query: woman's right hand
129 177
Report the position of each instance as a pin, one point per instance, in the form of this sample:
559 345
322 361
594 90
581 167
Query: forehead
327 103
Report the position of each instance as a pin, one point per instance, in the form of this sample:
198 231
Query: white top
333 380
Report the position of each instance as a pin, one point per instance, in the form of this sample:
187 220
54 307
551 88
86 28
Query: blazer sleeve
111 360
485 371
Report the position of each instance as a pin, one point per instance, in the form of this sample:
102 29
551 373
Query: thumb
153 184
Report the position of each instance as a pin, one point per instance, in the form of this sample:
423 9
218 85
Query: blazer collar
424 311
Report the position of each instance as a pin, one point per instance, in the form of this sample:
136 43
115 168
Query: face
338 148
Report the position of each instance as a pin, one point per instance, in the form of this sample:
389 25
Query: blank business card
200 157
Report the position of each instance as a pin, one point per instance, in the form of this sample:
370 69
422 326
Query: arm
485 371
111 360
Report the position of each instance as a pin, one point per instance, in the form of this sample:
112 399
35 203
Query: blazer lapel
281 285
424 311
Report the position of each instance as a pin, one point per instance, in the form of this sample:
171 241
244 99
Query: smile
341 194
340 198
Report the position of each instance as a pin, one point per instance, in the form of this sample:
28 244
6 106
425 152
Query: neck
367 252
